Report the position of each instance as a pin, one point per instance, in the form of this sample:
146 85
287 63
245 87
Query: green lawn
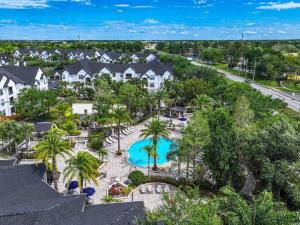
291 113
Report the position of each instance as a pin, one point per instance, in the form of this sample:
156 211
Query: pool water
138 156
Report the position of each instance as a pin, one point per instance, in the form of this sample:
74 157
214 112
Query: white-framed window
152 85
1 91
152 77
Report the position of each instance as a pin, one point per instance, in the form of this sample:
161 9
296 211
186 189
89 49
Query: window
128 76
1 91
114 74
10 90
12 110
11 100
81 77
152 77
152 85
121 76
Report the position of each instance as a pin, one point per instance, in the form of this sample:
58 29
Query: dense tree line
119 46
268 59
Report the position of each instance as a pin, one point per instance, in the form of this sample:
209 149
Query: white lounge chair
125 132
143 190
167 188
149 189
129 130
116 136
158 189
111 139
108 141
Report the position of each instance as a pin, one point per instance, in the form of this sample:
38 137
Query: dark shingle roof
25 199
5 163
93 67
20 74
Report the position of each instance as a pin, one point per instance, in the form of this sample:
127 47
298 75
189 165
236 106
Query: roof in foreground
26 199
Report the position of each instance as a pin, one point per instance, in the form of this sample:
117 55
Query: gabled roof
113 55
93 67
26 199
20 74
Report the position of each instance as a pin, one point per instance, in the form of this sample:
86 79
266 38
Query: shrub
137 177
96 142
74 132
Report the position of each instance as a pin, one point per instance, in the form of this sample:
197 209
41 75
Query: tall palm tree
203 101
120 115
150 152
54 144
160 96
155 129
84 166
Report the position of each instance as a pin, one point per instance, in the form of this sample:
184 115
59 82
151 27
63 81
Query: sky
149 19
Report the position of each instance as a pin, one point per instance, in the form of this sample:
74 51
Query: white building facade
155 73
15 78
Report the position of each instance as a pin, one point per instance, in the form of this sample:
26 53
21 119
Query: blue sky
149 19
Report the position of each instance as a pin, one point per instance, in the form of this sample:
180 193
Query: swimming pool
138 157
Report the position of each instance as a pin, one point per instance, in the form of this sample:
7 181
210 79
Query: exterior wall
81 76
8 95
155 81
41 80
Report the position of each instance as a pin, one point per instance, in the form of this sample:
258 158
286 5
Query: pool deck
118 168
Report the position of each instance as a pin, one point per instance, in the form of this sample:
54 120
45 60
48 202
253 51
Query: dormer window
128 76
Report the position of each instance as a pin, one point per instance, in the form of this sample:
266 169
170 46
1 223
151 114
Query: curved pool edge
146 166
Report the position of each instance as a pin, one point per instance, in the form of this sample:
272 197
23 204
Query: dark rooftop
25 199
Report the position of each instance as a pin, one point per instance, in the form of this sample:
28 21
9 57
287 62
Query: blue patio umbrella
88 191
73 185
183 119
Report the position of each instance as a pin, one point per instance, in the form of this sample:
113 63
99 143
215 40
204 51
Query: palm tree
149 150
54 144
84 166
120 115
203 101
155 130
160 96
101 152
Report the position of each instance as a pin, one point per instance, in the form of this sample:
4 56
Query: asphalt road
293 102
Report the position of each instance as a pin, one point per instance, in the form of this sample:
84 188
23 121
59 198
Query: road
292 102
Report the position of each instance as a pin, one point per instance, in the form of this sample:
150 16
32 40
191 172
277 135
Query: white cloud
142 6
23 4
250 32
20 4
279 6
7 21
122 5
200 2
151 21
